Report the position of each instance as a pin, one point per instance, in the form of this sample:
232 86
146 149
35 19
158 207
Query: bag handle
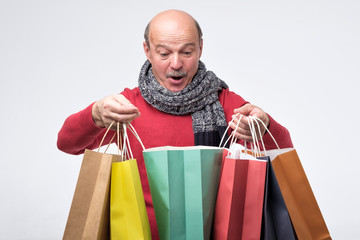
251 121
123 144
126 147
232 137
127 152
132 129
116 133
255 144
257 120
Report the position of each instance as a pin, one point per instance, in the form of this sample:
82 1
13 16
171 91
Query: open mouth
176 75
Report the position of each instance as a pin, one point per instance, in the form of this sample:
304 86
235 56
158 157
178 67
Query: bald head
171 19
173 46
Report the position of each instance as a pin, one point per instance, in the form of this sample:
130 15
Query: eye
187 53
164 54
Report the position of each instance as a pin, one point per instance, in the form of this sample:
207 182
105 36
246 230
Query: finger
244 110
123 109
123 118
240 128
122 100
246 121
126 119
244 137
119 104
257 128
243 120
113 111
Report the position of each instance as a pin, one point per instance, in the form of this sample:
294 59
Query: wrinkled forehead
173 29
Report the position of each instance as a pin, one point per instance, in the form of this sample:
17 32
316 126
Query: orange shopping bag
299 198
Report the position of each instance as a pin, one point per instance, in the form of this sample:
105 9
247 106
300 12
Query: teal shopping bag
183 183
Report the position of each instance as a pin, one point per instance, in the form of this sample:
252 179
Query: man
178 102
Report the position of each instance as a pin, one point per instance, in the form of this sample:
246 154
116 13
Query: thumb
125 102
244 110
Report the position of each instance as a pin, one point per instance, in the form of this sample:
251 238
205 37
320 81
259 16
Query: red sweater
155 128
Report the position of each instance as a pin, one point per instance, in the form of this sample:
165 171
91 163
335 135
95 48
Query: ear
147 50
201 48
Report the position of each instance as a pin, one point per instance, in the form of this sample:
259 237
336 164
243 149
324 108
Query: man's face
174 52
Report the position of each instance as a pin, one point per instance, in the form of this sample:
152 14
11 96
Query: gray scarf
199 98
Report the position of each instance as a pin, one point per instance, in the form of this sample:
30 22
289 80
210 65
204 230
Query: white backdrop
298 60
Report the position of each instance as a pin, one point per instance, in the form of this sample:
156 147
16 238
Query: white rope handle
117 137
127 152
233 139
227 128
258 119
125 145
255 143
259 130
107 147
132 129
102 140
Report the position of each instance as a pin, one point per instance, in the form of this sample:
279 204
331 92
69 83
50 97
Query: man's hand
243 130
113 108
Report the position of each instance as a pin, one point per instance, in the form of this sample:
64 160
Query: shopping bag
295 188
128 216
89 213
183 183
299 198
239 203
276 223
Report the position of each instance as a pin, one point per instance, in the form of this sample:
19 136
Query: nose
176 62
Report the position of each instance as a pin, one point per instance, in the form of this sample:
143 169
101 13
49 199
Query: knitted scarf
199 98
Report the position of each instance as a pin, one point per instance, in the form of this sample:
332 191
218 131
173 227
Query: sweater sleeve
79 132
280 134
231 101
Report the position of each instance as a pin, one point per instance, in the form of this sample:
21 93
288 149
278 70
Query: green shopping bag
183 183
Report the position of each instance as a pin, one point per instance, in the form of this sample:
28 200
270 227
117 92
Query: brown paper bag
89 212
299 198
90 209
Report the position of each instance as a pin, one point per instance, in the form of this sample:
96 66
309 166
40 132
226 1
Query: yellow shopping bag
128 216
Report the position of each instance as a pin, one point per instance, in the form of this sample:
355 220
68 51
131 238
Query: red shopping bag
238 210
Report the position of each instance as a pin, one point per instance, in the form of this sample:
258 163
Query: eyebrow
183 46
